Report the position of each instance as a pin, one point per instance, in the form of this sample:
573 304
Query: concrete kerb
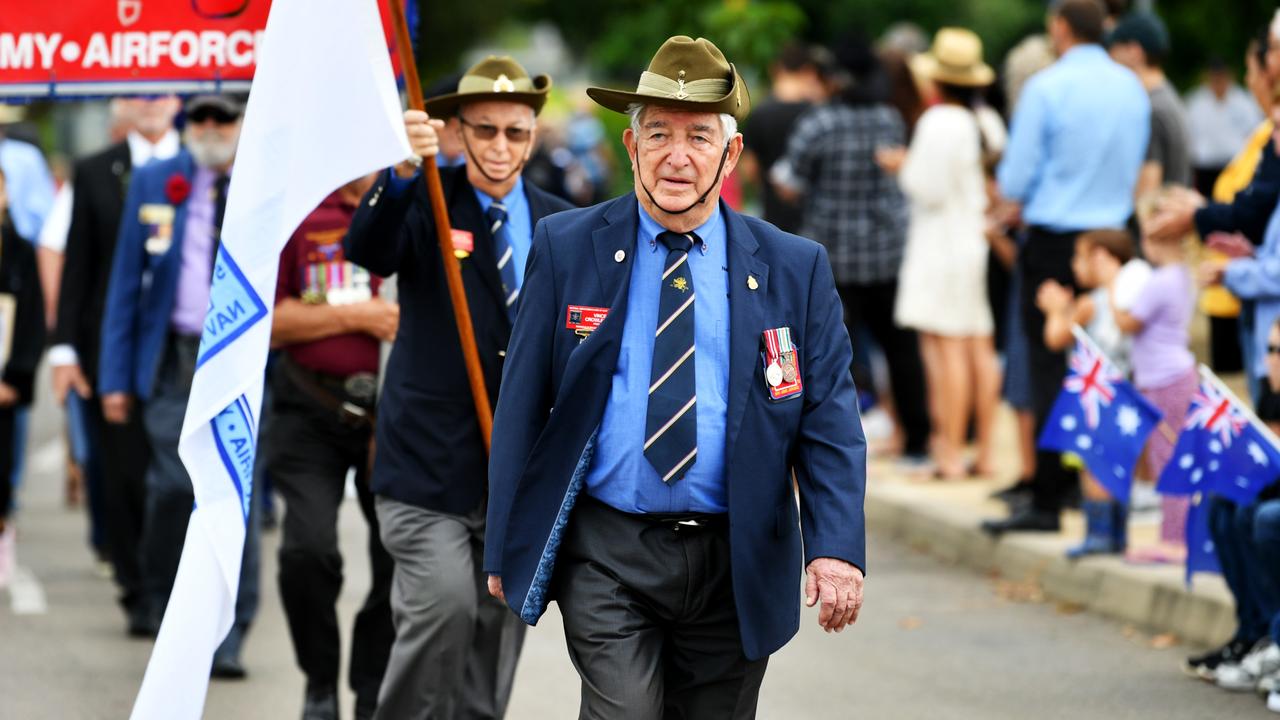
1034 568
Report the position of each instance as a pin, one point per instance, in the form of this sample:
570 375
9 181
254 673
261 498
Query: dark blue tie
671 421
497 216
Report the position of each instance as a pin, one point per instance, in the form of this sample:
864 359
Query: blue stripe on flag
234 436
233 308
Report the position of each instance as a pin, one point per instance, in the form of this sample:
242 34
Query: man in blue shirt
1075 149
455 648
679 370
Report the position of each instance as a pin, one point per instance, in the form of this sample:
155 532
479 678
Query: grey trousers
456 647
650 620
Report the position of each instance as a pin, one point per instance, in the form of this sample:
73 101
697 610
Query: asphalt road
933 642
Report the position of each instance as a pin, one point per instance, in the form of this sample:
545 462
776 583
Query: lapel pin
619 256
751 283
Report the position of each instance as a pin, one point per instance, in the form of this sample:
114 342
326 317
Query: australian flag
1202 556
1219 451
1102 418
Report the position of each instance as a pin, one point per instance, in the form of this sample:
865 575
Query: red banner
107 47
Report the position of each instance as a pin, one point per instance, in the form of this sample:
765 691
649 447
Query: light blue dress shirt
29 185
620 474
1077 142
1257 278
519 225
519 221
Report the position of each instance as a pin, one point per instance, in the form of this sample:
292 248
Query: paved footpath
935 641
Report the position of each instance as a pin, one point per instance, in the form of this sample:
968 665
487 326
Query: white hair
727 121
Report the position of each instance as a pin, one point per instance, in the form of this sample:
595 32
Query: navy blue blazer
556 389
144 283
430 451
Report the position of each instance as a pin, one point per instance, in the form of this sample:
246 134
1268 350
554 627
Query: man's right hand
67 378
424 139
116 407
377 317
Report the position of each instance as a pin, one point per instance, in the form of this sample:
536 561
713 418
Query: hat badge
680 93
503 84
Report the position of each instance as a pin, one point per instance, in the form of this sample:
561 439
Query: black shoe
320 702
1015 492
227 668
1028 520
142 623
1205 666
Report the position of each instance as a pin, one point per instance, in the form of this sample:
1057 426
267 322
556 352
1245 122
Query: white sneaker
1269 683
1273 701
1244 676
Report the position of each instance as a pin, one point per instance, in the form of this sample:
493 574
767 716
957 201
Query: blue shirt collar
650 229
1087 51
514 200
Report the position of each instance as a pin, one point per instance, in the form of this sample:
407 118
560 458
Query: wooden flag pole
440 211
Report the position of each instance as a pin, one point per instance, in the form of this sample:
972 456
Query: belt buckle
361 386
352 414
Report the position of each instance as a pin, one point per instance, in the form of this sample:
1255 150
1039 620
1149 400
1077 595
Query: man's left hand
838 585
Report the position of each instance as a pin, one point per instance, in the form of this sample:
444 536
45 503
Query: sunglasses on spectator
483 131
218 115
1273 349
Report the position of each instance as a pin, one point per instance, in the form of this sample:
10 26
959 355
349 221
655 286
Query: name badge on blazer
158 219
584 320
781 360
464 243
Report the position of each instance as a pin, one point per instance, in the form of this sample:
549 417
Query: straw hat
685 74
494 78
955 59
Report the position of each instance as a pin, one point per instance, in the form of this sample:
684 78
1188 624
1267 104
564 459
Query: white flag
323 111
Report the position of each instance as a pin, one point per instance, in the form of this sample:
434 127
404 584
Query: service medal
773 374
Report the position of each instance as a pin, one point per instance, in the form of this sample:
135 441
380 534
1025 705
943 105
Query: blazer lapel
465 213
747 302
599 351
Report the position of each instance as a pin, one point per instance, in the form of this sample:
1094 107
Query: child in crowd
1100 257
21 343
1164 371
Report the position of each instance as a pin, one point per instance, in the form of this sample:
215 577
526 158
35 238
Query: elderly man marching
455 649
676 364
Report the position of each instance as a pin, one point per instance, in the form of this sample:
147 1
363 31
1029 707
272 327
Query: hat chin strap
471 156
701 199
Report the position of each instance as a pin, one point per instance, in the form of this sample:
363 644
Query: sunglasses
515 135
218 115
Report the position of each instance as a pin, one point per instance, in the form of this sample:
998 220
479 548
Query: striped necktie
671 421
497 217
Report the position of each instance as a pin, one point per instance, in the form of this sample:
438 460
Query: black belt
676 522
332 394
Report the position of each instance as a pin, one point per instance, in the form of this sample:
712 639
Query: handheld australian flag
1102 418
1220 450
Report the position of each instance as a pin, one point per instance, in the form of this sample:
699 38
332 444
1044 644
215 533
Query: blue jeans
170 498
1266 540
1254 586
21 417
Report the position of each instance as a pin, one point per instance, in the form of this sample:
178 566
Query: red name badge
583 320
464 243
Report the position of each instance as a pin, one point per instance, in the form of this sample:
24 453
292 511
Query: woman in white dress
943 281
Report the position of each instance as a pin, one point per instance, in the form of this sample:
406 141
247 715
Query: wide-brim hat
495 78
685 74
955 59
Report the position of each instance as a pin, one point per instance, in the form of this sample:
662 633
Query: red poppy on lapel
177 188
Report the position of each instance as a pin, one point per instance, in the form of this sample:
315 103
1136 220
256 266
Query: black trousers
126 451
873 304
6 461
650 620
312 450
1045 256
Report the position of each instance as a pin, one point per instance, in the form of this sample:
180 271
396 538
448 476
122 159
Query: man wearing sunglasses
153 316
456 648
